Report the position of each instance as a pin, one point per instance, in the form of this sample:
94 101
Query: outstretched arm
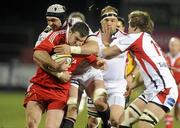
90 47
111 52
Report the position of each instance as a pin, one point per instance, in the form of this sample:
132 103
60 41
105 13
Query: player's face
120 26
110 23
174 46
75 39
54 23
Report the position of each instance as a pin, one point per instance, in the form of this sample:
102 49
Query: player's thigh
54 118
34 111
139 103
156 110
98 84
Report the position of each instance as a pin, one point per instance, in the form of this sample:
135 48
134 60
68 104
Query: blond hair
142 20
108 9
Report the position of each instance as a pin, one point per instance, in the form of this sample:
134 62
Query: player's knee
148 119
131 114
99 98
114 121
32 123
92 122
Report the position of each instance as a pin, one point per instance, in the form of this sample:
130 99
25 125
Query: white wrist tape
75 49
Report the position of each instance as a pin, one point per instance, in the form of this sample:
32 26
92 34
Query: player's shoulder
119 32
56 34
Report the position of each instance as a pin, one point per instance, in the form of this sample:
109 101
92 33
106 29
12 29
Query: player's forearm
91 47
110 52
45 68
42 58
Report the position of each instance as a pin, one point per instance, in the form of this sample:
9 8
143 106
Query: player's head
75 17
121 24
78 34
56 15
109 18
140 21
174 46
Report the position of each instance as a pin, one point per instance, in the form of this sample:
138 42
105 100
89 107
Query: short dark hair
80 27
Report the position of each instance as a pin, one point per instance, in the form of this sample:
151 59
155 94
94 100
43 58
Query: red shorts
48 97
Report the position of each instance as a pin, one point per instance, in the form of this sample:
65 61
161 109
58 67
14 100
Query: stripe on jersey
143 56
54 35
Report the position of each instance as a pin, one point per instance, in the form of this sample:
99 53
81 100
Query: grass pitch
12 112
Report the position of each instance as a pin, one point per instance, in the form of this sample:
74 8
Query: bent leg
151 116
132 113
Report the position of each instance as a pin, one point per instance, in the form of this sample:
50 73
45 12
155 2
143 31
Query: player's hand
128 91
100 64
62 49
62 66
106 36
82 67
64 76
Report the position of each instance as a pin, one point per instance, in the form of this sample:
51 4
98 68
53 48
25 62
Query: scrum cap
57 10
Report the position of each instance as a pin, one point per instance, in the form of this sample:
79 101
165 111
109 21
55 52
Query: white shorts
165 98
116 90
116 86
87 78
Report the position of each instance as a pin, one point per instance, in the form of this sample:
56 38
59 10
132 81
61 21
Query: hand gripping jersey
153 66
43 78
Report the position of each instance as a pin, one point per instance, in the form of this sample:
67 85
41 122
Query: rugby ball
57 58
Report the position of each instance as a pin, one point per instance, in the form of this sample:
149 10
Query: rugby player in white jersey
114 74
160 92
91 80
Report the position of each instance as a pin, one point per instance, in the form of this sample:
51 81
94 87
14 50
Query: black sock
105 115
67 123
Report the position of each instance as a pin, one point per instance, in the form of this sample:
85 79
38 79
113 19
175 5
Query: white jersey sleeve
43 35
124 42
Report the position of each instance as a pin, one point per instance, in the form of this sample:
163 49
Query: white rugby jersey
115 66
47 31
150 59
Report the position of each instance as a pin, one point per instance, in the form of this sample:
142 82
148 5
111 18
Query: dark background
22 21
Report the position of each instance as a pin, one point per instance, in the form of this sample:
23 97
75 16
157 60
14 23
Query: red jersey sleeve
53 39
